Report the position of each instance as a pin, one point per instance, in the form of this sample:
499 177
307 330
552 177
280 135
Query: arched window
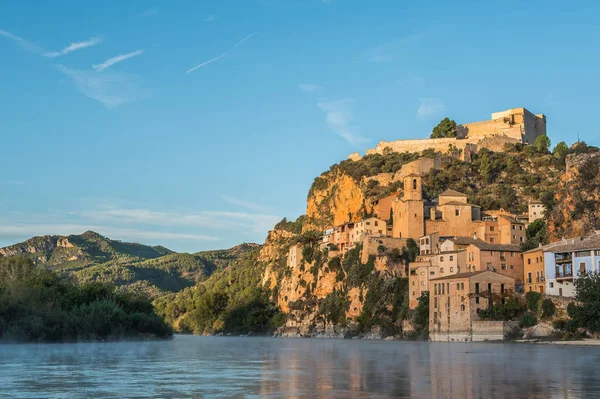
414 184
462 307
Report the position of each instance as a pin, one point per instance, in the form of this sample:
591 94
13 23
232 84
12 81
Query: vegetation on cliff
445 129
36 305
230 301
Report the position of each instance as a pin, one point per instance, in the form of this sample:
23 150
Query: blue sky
199 125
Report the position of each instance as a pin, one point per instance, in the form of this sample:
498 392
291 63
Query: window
462 307
442 270
512 267
451 258
435 290
457 212
551 285
368 223
413 283
376 223
427 241
514 227
432 273
422 283
462 286
478 308
451 270
529 261
458 286
521 228
477 295
441 258
521 239
414 184
491 239
503 266
435 302
491 228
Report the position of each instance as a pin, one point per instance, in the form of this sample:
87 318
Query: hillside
151 269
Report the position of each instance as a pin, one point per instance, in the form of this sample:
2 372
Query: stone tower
409 211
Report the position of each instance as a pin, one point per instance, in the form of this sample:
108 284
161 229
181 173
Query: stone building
537 211
505 259
383 206
533 270
448 215
502 228
456 300
346 236
515 125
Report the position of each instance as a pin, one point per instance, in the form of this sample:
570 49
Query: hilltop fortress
516 125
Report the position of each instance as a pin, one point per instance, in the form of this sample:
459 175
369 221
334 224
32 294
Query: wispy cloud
430 107
112 61
393 49
207 62
245 204
149 12
338 115
210 18
246 38
222 55
14 182
309 87
74 47
111 89
25 44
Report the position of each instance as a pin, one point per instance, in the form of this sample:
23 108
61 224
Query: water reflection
198 367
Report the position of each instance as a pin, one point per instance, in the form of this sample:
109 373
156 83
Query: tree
560 151
586 313
542 143
411 250
537 233
446 128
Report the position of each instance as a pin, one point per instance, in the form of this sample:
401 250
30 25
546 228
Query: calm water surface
223 367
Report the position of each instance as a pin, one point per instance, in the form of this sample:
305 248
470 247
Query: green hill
153 269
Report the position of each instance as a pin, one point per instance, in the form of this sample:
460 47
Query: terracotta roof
451 193
455 203
468 275
577 244
545 248
462 240
496 247
460 275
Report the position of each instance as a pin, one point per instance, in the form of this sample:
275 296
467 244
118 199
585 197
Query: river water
225 367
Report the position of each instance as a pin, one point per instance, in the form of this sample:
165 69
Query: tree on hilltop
542 143
446 128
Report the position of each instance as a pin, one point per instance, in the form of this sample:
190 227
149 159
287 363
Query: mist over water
226 367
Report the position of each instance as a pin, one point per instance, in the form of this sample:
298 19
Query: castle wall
420 167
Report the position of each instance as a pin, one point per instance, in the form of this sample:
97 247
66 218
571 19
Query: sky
200 124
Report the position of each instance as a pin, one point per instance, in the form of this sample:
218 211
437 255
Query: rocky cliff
576 210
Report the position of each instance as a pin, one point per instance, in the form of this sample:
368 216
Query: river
226 367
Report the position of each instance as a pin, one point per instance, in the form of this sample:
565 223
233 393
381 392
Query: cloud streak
222 55
74 47
110 88
25 44
245 204
308 87
112 61
149 12
338 116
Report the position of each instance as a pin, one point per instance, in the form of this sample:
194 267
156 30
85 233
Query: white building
567 261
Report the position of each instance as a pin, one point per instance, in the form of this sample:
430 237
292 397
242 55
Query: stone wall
490 330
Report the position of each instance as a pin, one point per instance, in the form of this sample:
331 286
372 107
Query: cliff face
41 249
336 199
577 209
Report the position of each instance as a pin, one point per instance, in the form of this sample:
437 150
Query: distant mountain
153 269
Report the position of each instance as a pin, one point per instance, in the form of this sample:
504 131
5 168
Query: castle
516 125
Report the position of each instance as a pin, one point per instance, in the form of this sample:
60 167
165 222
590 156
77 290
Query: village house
568 260
346 236
533 270
502 228
456 300
383 206
537 211
505 259
445 259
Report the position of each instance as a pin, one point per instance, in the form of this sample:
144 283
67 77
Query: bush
548 308
560 324
528 320
533 300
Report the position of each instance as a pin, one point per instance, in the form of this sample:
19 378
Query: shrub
528 320
533 299
548 308
560 324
